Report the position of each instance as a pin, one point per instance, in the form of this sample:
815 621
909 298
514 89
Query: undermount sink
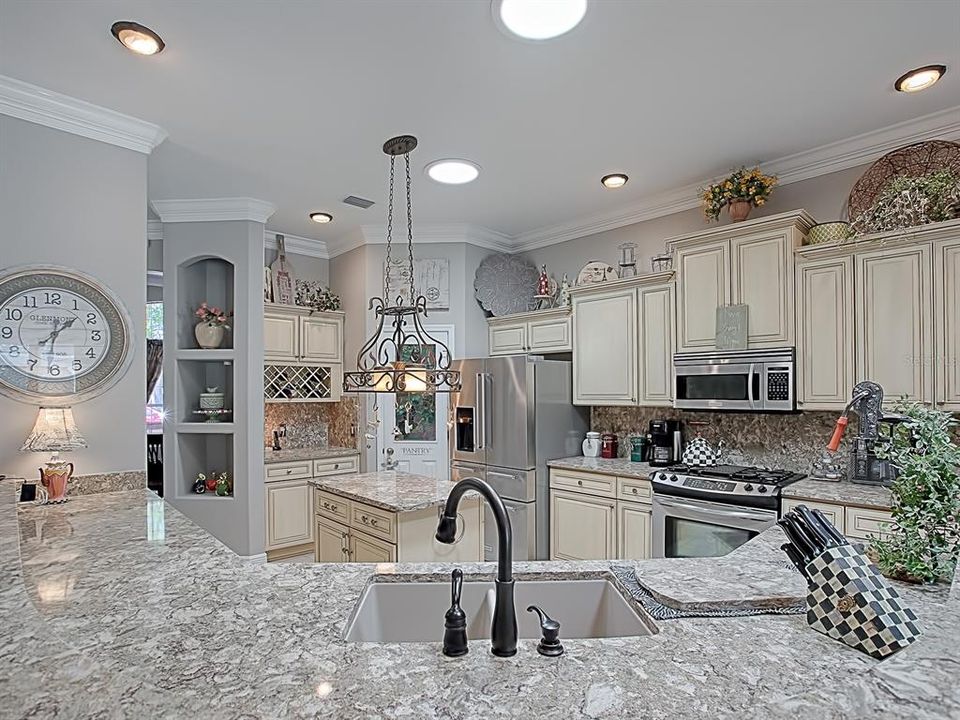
399 612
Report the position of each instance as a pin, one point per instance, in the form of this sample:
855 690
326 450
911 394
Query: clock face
62 336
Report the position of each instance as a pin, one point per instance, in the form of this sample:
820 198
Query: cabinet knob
326 505
634 491
333 508
365 519
373 522
289 470
580 483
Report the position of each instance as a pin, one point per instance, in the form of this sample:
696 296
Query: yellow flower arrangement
749 185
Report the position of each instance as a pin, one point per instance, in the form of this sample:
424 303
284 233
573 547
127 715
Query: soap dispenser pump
455 620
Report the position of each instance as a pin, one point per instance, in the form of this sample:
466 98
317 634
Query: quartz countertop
389 489
843 492
278 456
623 467
117 605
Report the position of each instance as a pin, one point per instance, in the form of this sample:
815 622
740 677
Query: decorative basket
830 232
662 263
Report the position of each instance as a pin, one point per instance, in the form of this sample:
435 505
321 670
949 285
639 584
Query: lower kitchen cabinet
365 549
581 527
635 528
289 514
857 523
332 541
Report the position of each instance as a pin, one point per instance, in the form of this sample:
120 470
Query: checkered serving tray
850 601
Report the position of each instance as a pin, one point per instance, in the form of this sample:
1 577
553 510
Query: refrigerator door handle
481 419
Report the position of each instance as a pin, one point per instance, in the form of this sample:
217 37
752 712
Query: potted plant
923 544
739 193
212 323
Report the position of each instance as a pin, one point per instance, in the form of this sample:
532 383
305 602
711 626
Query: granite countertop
608 466
843 492
278 456
117 605
389 489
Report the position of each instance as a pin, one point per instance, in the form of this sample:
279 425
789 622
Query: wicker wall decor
911 160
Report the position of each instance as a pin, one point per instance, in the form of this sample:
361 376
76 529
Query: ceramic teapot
699 453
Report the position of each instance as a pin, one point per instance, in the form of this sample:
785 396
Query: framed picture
431 279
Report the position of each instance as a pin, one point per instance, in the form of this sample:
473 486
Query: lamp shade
54 431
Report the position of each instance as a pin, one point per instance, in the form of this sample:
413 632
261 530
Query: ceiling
291 101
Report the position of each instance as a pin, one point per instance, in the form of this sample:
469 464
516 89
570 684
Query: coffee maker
666 442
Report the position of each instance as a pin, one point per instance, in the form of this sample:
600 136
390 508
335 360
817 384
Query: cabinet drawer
833 513
864 524
335 466
332 506
381 523
590 483
289 470
635 490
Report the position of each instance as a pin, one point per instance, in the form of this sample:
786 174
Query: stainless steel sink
398 612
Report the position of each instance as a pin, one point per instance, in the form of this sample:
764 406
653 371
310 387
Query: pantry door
414 425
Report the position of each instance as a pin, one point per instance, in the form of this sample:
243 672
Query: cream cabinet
634 531
857 523
581 527
656 335
294 334
893 305
541 331
321 338
703 283
332 541
761 277
366 549
289 514
946 282
605 359
281 336
825 333
833 513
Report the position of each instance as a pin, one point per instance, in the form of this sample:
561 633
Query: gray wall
305 267
823 197
80 203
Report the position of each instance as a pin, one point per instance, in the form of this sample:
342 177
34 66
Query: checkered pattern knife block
851 601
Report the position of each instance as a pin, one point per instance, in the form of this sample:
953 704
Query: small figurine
200 484
222 486
543 284
563 299
211 482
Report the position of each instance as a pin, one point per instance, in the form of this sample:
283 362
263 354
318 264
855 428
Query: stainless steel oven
689 527
746 380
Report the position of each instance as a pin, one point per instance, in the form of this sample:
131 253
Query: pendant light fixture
405 358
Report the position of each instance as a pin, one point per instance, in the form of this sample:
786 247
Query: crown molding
296 244
427 234
822 160
213 210
78 117
154 230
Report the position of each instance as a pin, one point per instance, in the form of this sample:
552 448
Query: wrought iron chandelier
405 358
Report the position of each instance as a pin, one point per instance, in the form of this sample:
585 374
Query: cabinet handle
336 466
365 519
580 483
333 508
326 505
289 470
373 522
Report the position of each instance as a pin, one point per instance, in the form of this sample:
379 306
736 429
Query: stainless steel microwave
745 380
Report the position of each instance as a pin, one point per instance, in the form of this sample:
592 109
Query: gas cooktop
723 483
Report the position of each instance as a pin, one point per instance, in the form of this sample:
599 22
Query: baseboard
284 553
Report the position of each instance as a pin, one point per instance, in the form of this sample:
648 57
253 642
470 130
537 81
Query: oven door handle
764 517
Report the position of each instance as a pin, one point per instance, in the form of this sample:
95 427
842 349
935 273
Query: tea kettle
699 453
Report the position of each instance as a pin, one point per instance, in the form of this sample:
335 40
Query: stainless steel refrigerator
511 416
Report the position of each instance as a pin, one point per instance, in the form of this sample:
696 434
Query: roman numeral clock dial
64 337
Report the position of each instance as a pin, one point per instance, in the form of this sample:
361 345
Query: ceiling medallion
405 358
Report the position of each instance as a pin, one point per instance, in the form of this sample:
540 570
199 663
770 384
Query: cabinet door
762 278
656 345
321 338
635 529
365 549
332 542
280 337
582 527
549 335
703 283
946 280
508 339
894 319
289 514
825 335
605 349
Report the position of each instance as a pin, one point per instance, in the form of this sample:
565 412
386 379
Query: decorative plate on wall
596 271
505 284
64 337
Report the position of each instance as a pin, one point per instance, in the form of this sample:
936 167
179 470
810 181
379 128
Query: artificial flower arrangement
213 315
312 294
912 201
750 187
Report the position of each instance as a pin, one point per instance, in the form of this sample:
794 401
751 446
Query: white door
413 426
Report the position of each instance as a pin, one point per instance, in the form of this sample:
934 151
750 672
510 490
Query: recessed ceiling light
321 217
615 180
919 79
136 37
539 19
453 171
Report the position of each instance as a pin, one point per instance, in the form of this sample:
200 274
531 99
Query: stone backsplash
788 441
302 421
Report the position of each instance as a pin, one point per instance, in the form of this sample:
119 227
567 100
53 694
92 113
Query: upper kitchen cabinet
946 284
623 338
321 337
540 331
295 334
748 263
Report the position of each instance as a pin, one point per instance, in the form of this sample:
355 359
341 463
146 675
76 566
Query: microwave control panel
778 384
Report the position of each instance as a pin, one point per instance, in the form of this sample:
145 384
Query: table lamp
55 431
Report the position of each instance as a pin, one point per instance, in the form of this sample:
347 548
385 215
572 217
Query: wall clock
64 337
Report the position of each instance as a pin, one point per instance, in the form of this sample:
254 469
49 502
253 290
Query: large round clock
64 337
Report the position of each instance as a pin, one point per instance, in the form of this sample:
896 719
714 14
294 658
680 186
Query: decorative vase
212 399
209 335
54 479
739 210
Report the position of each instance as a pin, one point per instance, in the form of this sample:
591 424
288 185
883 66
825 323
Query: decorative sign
431 279
731 327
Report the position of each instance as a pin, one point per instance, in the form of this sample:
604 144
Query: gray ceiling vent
357 201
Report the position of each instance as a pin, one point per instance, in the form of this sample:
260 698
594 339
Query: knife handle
796 559
838 536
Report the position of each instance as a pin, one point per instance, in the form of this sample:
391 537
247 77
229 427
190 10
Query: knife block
850 601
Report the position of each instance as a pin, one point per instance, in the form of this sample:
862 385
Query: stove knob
673 478
748 487
762 488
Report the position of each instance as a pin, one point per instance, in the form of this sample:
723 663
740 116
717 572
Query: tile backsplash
781 440
303 419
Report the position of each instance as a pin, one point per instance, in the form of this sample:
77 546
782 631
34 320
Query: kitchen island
117 605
